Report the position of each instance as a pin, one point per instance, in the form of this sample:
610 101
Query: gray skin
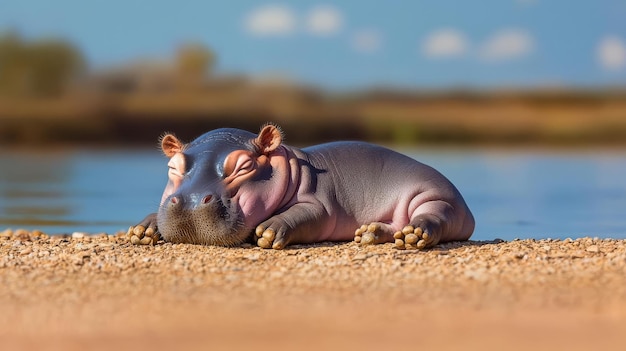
228 185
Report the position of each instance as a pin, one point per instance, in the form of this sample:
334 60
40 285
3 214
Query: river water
512 193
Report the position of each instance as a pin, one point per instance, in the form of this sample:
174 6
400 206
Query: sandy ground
101 293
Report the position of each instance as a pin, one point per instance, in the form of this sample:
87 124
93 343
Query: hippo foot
370 234
144 233
412 238
140 235
276 234
268 238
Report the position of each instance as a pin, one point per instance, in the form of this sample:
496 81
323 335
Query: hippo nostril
174 200
206 199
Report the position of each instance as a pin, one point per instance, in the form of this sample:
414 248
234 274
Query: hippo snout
191 202
200 219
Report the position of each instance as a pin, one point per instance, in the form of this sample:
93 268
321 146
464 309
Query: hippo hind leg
431 223
424 231
434 222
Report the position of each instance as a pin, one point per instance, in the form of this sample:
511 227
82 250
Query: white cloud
324 20
507 44
271 20
367 41
611 53
445 43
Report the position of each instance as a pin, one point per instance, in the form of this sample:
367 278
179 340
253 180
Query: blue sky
353 43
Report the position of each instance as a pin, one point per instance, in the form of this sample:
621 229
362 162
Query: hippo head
222 185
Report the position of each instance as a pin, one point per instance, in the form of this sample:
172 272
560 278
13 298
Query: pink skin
259 200
176 169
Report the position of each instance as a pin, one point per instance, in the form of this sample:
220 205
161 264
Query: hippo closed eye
230 185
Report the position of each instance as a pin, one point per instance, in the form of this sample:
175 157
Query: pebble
359 257
79 259
22 234
519 255
78 235
253 257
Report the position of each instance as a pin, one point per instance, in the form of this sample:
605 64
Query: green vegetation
195 63
37 68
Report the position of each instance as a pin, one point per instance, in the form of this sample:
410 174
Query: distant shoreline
568 118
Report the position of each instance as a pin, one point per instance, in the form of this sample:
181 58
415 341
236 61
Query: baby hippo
229 186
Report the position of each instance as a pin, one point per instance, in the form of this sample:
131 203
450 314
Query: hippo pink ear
269 139
171 145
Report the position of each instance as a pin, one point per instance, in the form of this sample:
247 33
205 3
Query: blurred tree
54 63
12 64
194 63
39 68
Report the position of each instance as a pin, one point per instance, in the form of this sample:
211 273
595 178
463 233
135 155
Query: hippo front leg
301 223
145 232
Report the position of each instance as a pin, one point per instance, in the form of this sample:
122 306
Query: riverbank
100 293
472 117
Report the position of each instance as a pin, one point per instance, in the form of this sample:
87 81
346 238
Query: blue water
512 193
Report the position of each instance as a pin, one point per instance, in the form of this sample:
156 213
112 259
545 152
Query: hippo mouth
218 222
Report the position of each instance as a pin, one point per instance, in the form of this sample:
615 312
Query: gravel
102 292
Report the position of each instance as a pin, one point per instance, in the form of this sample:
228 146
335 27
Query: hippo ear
171 145
269 139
